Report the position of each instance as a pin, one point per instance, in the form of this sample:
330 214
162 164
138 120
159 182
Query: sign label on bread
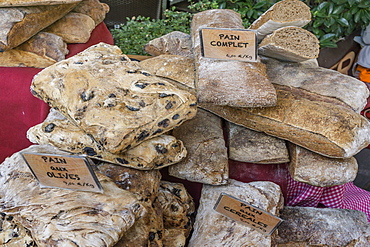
229 44
247 214
63 171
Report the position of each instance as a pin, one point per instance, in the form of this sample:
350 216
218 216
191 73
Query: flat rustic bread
19 24
154 153
61 217
306 120
112 99
282 14
93 8
148 230
317 170
212 228
12 233
251 146
313 78
228 82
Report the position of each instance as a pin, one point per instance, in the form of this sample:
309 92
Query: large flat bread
282 14
61 217
228 82
112 99
306 120
154 153
327 82
19 24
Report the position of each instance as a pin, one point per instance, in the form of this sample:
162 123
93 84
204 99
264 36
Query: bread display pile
179 110
36 33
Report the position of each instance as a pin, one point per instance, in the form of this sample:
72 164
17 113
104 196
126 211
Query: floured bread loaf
93 8
148 230
12 233
112 99
282 14
314 169
214 229
154 153
61 217
19 24
247 145
306 119
13 3
173 43
327 82
73 28
174 67
41 51
292 44
308 226
207 160
178 213
228 82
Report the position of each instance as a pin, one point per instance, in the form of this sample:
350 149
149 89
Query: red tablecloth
19 109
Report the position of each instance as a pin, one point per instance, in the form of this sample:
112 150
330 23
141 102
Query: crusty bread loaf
93 8
282 14
207 160
251 146
292 44
19 24
323 81
228 82
73 28
173 43
305 119
175 67
41 51
314 169
112 98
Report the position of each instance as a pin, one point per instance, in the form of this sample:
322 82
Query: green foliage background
331 20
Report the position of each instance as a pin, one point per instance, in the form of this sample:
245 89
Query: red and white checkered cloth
347 196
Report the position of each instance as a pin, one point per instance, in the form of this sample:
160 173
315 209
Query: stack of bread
193 115
36 33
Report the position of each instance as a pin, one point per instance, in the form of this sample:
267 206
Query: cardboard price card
247 214
230 44
63 171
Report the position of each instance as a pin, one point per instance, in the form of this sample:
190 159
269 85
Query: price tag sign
63 171
231 44
247 214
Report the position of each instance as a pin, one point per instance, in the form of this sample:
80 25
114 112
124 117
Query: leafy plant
331 20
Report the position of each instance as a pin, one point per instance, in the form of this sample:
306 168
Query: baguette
306 119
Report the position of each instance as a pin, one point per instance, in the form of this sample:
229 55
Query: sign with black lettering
230 44
247 214
63 171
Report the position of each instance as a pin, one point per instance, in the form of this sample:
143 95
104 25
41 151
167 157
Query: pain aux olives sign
247 214
229 44
63 171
